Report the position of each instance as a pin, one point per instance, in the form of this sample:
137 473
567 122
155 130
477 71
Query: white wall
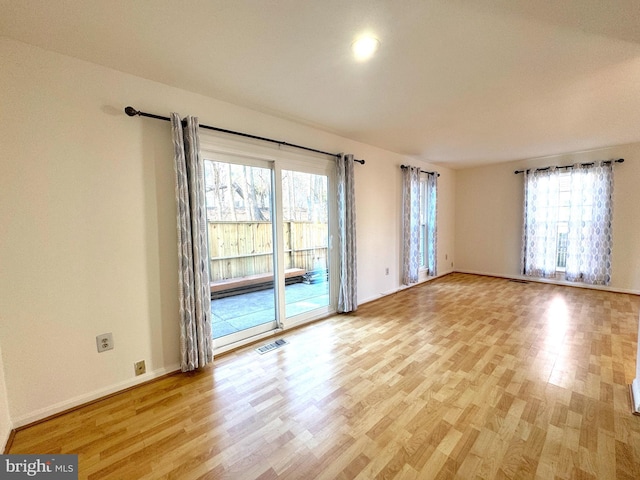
489 215
379 219
446 252
5 419
88 216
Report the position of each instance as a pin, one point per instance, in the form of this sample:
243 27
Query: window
567 223
564 207
427 224
419 223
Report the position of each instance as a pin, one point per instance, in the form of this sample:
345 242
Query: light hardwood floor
463 377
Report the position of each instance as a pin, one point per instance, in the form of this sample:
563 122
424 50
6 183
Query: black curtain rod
620 160
132 112
421 171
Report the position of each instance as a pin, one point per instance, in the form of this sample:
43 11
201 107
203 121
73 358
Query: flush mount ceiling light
365 47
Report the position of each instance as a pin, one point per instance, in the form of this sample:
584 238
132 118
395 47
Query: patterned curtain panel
196 342
540 229
410 224
347 292
432 224
589 238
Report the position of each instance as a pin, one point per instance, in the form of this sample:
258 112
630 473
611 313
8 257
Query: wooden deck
249 283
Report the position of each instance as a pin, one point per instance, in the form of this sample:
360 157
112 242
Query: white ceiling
455 82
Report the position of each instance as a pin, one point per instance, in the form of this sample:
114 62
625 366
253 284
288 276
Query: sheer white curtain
410 224
540 230
347 291
588 224
589 239
196 342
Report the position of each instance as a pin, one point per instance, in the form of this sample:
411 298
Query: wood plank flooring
464 377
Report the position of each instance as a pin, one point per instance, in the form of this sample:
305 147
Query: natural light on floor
557 319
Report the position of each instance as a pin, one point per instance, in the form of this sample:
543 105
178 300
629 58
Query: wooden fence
238 249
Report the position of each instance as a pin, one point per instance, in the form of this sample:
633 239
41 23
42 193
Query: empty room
322 239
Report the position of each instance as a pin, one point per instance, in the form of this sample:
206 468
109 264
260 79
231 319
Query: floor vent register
271 346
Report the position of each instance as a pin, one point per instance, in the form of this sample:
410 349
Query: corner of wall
6 426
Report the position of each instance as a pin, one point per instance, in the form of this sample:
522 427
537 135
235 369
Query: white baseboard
97 394
552 281
634 390
403 287
80 400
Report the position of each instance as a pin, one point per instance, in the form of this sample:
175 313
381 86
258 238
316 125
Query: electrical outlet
104 342
140 367
386 271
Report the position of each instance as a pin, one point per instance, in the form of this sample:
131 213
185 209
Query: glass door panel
241 249
305 216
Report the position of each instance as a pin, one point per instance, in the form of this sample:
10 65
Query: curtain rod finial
132 112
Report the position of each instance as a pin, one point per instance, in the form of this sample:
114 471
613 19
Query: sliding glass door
306 235
270 228
241 246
